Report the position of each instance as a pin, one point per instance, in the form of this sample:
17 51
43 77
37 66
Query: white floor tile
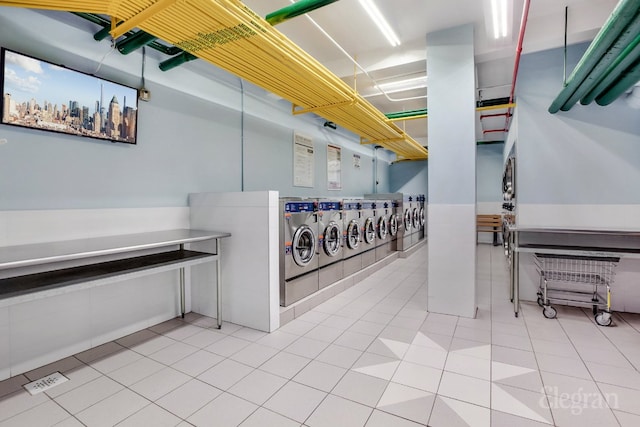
407 402
113 409
360 388
224 411
568 413
621 398
285 364
417 376
225 374
295 401
254 355
88 394
185 400
383 419
470 366
627 420
629 378
115 360
151 415
465 388
266 418
335 411
134 372
162 382
339 356
249 334
307 347
521 403
320 375
227 346
278 339
376 366
173 353
198 362
453 413
258 386
324 333
354 340
204 338
562 365
77 377
43 415
426 356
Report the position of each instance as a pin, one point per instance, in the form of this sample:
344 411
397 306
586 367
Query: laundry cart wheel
603 318
540 300
549 312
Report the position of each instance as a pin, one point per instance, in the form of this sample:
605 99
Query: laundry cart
583 281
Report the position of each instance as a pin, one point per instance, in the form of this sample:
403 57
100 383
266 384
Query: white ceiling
350 26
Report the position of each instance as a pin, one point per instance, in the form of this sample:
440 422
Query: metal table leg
182 297
219 284
516 274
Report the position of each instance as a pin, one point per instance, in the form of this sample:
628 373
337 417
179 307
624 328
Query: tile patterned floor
371 356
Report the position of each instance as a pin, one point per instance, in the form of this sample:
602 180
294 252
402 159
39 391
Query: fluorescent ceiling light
402 85
499 18
379 20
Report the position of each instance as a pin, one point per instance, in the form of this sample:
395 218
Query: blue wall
489 173
588 155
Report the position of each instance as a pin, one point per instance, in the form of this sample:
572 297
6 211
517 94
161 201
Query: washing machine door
383 228
304 245
416 218
421 217
369 230
393 225
407 219
353 234
332 236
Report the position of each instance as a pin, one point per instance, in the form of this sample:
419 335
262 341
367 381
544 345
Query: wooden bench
489 224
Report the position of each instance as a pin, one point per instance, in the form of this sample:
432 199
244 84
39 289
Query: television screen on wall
40 95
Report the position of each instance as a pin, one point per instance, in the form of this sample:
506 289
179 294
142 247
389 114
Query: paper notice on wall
303 159
334 167
356 161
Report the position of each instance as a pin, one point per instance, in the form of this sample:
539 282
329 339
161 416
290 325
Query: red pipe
523 27
494 130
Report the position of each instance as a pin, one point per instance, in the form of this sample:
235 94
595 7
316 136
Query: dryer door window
416 218
421 217
332 236
407 219
383 229
353 234
369 230
393 225
304 245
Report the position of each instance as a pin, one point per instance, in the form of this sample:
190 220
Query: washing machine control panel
330 206
296 207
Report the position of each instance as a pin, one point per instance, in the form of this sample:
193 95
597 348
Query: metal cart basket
583 281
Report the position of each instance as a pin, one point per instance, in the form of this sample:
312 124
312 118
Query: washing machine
415 219
298 250
368 232
383 215
404 238
330 242
422 215
395 216
352 231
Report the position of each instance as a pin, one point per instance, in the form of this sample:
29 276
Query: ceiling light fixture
402 85
499 18
379 20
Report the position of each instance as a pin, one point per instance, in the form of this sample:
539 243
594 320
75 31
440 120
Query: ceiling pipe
422 113
621 18
486 116
516 65
296 9
628 80
627 58
134 42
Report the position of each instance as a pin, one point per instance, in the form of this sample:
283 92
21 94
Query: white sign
303 158
334 167
356 161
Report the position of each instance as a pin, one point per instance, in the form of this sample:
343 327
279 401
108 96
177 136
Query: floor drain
44 384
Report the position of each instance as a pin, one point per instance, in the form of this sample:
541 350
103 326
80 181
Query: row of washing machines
325 240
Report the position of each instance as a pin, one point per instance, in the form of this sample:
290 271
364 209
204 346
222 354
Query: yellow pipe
496 107
320 107
138 19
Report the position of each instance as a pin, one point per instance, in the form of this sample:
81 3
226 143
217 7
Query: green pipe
176 61
403 114
614 54
102 34
630 55
629 78
135 41
296 9
620 18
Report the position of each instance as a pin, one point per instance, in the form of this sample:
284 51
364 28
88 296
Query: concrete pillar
452 172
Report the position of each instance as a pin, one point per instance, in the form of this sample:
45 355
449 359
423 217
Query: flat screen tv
40 95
